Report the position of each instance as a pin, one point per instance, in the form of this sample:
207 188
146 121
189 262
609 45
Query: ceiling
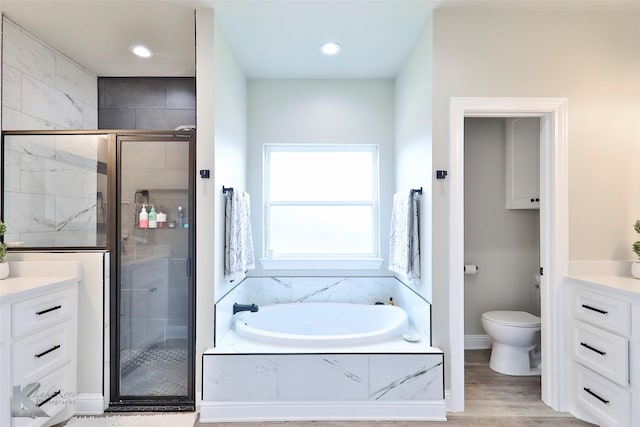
270 38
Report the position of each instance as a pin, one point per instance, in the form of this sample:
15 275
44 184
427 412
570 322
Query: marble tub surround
260 381
357 290
268 387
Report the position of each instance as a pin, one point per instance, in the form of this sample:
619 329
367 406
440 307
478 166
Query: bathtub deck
232 344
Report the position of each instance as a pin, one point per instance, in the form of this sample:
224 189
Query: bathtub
322 324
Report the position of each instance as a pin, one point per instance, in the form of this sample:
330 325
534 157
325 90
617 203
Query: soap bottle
180 218
153 218
162 218
143 218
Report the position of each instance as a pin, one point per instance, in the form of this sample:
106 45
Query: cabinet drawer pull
40 313
54 348
606 402
597 310
44 402
600 352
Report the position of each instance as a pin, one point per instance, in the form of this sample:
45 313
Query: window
321 201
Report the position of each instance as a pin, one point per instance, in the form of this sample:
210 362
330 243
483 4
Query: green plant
3 247
636 245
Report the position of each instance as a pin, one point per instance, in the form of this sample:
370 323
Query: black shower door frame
117 401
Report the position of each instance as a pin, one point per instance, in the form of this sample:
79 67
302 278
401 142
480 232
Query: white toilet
516 337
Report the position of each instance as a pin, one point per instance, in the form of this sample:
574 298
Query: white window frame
330 261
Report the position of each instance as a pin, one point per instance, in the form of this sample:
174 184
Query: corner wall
413 142
221 148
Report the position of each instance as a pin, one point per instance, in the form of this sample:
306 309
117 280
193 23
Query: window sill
321 264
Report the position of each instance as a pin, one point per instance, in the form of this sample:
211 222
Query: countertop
622 284
13 288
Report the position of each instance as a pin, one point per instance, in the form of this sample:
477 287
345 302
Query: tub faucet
244 307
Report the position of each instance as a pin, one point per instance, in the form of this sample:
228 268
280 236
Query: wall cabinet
38 348
602 345
523 163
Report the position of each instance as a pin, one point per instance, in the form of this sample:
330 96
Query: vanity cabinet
602 344
523 163
38 350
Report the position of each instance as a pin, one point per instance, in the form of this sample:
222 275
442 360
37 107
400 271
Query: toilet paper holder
470 269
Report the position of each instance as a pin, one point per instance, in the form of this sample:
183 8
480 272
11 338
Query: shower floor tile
154 372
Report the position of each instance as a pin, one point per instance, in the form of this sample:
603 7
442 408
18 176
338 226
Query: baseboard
89 404
420 410
477 342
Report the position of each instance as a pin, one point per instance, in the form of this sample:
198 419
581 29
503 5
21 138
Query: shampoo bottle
162 218
153 218
143 218
180 217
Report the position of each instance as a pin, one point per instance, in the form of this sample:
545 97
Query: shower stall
84 191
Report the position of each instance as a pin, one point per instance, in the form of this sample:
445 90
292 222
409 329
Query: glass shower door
154 286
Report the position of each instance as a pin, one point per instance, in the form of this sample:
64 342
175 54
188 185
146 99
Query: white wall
314 111
413 127
504 243
230 143
42 89
592 59
221 148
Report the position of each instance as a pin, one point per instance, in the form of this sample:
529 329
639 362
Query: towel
404 236
238 248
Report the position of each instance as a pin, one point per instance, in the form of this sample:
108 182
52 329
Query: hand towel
404 236
238 251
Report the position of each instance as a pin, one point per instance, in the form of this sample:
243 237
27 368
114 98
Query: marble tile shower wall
358 290
41 88
50 184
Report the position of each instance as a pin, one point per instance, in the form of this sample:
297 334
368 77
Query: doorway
502 221
553 232
152 286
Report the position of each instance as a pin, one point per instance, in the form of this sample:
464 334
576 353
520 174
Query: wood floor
491 400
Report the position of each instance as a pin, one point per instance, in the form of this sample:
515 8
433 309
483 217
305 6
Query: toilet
516 338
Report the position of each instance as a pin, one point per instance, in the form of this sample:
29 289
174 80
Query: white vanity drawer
41 312
603 311
602 351
606 401
57 390
39 354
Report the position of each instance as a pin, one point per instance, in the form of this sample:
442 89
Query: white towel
404 236
238 250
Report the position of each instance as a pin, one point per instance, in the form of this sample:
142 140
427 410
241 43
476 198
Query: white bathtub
322 324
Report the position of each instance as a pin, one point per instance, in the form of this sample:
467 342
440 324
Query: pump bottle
153 218
143 218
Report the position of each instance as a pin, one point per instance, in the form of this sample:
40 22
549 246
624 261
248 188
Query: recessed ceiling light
331 48
141 51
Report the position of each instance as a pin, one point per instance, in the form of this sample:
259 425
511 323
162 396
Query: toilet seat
520 319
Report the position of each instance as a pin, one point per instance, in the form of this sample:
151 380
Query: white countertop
618 283
13 288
